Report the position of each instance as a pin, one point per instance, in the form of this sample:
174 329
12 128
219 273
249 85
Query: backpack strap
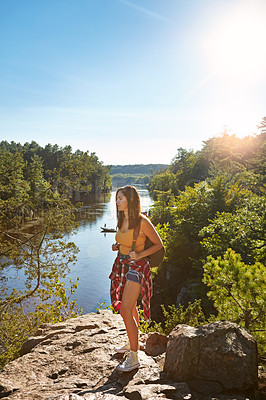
135 236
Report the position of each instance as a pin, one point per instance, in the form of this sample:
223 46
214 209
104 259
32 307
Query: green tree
238 291
226 153
163 182
242 230
13 188
187 168
66 171
257 162
193 208
188 214
12 183
43 259
160 211
35 178
262 125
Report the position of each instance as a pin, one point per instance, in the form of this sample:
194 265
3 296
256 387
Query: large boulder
213 358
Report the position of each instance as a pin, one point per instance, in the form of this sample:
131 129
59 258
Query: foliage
243 231
226 154
192 209
42 260
186 166
258 160
212 200
36 185
262 125
237 290
163 182
191 315
160 211
249 180
64 170
103 306
18 322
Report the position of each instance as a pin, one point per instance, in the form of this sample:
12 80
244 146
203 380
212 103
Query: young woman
130 274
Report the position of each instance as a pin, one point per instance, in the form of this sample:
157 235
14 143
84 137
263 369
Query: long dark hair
133 201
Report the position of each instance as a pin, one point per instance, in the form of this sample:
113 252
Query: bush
238 292
191 315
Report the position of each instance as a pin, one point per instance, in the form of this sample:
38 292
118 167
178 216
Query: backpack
155 259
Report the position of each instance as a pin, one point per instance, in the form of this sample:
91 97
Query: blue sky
131 80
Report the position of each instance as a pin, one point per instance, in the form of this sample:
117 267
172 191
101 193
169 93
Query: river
95 259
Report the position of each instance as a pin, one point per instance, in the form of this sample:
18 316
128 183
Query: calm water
96 257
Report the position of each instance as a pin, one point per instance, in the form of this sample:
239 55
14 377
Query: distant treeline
134 174
145 169
32 177
59 166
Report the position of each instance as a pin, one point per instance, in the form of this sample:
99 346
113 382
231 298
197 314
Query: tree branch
20 242
5 303
230 294
258 247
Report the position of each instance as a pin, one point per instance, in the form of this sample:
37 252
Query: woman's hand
115 247
134 256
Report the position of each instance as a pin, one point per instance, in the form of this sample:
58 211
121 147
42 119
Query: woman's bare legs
136 314
129 312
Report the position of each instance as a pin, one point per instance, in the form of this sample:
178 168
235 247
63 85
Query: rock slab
217 357
75 360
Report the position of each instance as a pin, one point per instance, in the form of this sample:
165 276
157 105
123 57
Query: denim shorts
133 276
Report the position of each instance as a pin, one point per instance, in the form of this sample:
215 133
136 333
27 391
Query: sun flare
237 47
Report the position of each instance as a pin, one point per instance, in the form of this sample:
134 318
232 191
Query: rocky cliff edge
75 360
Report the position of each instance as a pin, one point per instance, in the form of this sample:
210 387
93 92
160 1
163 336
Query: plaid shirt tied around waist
118 281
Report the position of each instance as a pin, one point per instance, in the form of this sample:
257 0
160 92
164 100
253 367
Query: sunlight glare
238 48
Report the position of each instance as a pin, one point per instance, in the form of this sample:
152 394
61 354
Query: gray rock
221 353
156 344
177 391
188 294
6 389
205 387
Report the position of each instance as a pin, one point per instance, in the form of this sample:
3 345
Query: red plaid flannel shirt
118 280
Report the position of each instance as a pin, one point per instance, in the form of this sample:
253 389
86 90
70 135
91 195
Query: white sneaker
131 362
124 349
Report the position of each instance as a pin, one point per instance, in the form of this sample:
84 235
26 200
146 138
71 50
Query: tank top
125 239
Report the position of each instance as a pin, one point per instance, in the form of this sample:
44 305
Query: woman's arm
148 229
